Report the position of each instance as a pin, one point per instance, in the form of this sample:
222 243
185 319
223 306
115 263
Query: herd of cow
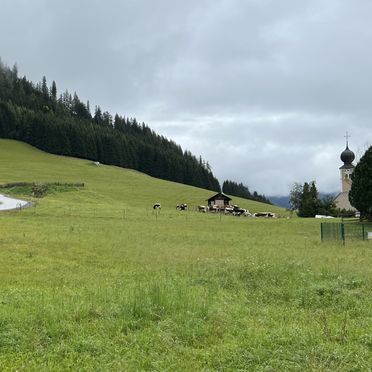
234 210
227 209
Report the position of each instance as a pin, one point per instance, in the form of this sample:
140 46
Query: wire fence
125 212
114 213
345 231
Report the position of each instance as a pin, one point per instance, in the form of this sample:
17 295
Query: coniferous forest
64 125
242 191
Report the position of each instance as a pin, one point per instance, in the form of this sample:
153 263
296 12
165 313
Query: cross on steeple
347 136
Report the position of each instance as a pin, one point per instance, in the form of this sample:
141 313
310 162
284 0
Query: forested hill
62 124
242 191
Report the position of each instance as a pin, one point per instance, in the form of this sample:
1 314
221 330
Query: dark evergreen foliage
65 126
309 201
360 195
242 191
305 199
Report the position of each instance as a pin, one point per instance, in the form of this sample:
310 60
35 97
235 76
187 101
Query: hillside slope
91 278
33 113
105 186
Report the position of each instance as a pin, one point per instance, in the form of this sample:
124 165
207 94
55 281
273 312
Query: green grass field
92 279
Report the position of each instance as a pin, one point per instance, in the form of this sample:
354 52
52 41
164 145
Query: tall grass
92 279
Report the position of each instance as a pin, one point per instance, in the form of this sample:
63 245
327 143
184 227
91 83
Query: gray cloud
264 90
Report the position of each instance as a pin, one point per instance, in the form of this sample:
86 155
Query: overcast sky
263 89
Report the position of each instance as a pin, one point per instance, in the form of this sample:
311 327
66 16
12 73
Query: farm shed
220 200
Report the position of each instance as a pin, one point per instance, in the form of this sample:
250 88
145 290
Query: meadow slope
92 278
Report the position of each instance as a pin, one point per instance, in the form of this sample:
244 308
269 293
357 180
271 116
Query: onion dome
347 156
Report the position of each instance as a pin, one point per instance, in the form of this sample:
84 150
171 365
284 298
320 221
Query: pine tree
88 109
44 88
97 115
309 203
15 72
53 91
360 195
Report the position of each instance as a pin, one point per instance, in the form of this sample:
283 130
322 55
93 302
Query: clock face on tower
347 173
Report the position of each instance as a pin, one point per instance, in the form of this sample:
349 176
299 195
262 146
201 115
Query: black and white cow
237 211
157 206
229 209
265 214
182 207
202 208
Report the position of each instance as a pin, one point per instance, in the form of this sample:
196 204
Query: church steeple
347 156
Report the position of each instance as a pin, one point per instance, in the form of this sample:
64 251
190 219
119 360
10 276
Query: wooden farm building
220 200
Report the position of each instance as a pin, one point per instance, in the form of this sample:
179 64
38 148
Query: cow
237 211
157 206
214 208
202 208
242 212
228 209
247 213
265 214
182 207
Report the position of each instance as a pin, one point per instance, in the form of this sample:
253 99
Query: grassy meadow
91 278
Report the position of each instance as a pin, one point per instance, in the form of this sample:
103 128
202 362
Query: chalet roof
219 195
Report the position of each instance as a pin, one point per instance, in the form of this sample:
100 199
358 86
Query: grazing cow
182 207
157 206
214 208
237 211
228 209
202 208
247 213
265 214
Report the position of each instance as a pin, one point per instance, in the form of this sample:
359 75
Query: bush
38 191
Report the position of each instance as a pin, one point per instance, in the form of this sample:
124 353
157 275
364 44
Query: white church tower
346 170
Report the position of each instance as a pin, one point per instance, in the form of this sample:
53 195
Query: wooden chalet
220 200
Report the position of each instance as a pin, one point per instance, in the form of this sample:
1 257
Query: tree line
64 125
304 198
306 201
242 191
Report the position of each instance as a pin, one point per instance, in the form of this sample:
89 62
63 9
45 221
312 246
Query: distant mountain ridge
280 201
283 201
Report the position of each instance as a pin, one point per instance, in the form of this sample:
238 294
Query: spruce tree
309 203
360 195
53 91
44 88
